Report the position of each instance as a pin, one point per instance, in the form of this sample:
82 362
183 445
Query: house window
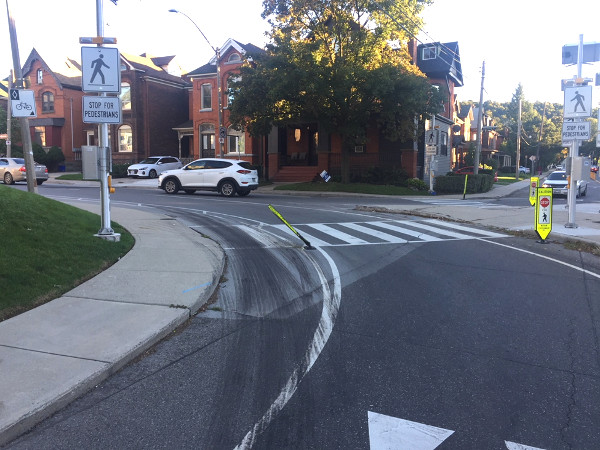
207 140
39 136
125 96
429 52
47 102
206 94
444 144
125 139
236 142
234 57
40 76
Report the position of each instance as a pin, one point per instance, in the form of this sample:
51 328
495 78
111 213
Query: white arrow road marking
390 433
515 446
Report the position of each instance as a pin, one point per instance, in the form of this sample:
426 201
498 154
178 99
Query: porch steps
296 174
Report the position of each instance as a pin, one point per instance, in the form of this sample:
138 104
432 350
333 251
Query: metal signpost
577 106
101 73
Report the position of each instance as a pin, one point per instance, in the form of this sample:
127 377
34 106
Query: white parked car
153 166
226 176
524 169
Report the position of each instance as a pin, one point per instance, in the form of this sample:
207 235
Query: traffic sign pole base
571 225
112 237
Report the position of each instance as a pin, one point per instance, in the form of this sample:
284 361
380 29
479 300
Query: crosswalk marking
373 232
417 234
445 232
378 232
464 228
337 233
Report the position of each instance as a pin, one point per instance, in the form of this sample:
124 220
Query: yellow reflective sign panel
533 185
543 212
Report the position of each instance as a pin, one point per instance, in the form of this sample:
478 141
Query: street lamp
218 62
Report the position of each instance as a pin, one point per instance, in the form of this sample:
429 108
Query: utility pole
537 153
479 124
9 120
23 121
519 126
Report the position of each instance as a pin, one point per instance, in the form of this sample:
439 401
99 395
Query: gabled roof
211 67
466 110
149 67
446 63
70 79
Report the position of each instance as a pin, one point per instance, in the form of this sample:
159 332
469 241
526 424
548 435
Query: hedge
455 184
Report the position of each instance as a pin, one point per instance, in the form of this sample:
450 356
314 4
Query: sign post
101 73
543 213
577 105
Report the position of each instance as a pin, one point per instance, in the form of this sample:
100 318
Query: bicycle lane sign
22 103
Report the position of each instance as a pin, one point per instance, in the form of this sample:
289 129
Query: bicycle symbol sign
22 103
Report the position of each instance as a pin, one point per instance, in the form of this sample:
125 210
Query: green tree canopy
541 130
331 62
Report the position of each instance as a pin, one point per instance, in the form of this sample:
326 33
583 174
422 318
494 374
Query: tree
331 62
15 133
534 137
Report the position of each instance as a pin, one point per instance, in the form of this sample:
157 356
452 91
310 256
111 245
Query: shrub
455 184
119 170
507 169
493 163
382 176
417 184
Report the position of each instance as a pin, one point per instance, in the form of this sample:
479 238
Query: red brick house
300 152
440 62
199 135
58 98
153 101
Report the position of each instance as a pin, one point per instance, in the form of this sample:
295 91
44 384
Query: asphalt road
393 328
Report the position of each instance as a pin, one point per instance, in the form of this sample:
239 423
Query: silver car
13 169
557 180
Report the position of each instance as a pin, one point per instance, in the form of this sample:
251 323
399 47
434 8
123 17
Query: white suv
226 176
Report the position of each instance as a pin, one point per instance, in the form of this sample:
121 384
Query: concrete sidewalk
58 351
515 218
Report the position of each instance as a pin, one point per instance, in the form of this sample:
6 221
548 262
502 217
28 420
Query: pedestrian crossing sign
578 102
543 212
534 183
100 69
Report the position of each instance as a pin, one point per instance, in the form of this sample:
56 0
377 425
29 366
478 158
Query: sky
520 40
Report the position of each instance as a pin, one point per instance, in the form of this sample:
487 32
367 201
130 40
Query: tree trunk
345 163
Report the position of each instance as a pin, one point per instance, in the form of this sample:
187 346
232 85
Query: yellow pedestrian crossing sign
543 212
534 182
